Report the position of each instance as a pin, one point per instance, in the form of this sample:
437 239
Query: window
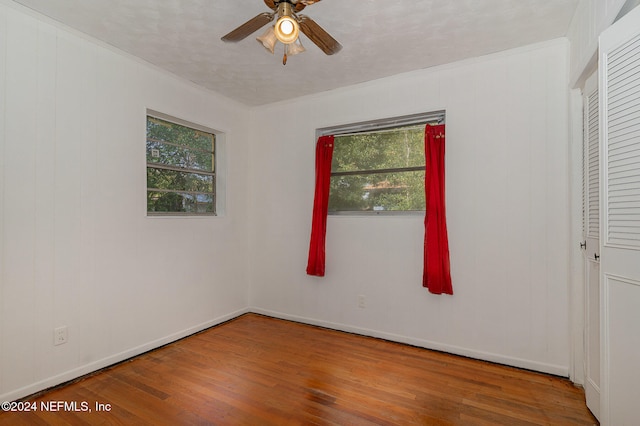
379 166
180 169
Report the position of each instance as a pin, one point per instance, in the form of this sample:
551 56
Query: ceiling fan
286 29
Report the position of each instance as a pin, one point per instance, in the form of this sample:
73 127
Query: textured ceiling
379 37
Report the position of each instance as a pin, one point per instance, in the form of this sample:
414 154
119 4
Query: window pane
398 191
171 202
203 203
169 132
383 150
169 179
172 155
180 168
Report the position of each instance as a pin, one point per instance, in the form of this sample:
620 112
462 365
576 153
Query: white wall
507 204
76 247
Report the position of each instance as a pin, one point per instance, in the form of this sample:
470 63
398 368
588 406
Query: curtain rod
434 117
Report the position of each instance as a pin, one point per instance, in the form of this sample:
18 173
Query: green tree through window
180 169
378 171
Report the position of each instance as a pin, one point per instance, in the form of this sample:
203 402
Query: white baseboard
557 370
114 359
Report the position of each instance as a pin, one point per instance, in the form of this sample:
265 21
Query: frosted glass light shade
294 48
268 39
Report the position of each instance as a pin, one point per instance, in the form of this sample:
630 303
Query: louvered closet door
619 70
591 206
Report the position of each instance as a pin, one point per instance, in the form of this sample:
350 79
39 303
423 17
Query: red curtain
436 275
324 153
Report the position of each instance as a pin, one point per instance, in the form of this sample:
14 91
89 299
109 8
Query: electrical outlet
362 301
60 335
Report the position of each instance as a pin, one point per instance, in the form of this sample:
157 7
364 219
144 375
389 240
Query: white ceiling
379 37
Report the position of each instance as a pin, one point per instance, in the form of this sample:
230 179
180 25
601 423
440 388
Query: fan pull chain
284 59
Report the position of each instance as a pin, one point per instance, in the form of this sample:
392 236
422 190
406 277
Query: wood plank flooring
256 370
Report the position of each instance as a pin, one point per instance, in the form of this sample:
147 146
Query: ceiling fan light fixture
286 29
268 40
294 48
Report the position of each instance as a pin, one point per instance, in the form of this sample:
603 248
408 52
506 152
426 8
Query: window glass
180 169
378 171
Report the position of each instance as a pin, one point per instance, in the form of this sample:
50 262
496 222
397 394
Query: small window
180 169
378 171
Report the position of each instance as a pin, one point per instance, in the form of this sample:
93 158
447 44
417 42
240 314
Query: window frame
381 125
160 166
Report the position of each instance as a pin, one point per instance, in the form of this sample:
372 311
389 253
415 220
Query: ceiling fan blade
320 37
301 4
249 27
271 4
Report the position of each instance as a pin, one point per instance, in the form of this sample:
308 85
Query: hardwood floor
257 370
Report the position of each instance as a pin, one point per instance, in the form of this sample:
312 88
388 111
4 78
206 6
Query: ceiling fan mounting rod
285 8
